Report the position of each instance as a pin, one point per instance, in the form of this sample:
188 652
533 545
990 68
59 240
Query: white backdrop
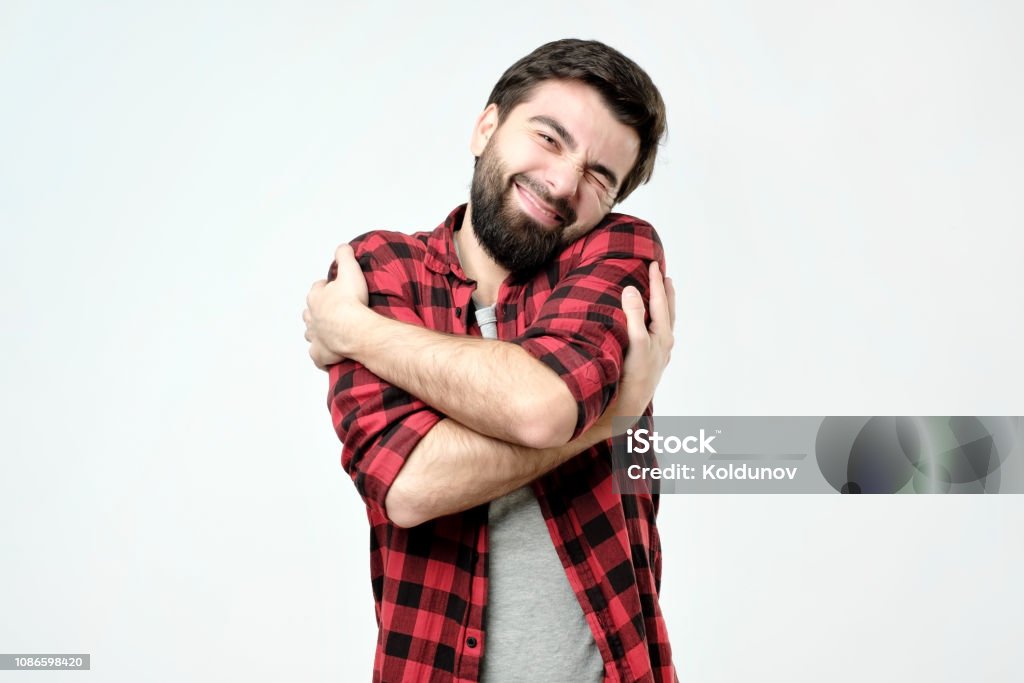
840 201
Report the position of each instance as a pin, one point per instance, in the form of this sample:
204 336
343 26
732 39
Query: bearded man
474 373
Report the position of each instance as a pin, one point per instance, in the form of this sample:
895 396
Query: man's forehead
563 96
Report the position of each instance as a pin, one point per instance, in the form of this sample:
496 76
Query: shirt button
458 310
471 641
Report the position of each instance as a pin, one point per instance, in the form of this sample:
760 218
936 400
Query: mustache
560 205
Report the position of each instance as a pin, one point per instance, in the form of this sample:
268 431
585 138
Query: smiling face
547 174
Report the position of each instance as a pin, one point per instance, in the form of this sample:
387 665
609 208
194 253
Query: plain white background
840 204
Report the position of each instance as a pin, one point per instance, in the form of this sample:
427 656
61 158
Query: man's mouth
540 211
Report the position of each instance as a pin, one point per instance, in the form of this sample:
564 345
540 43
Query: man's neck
477 264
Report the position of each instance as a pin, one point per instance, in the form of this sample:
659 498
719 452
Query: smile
539 211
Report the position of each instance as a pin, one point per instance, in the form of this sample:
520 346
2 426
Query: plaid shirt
430 582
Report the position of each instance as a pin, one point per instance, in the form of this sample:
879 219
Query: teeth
533 201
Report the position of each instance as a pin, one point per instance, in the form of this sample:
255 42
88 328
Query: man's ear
485 126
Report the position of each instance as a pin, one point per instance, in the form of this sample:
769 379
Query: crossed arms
434 423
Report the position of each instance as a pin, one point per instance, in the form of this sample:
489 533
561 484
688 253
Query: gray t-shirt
534 625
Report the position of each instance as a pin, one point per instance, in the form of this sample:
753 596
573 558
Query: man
499 550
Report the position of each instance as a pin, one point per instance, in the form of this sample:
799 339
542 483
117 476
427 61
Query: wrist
351 337
630 404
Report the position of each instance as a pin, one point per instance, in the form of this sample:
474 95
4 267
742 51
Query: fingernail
630 291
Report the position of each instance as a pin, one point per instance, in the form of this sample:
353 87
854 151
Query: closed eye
598 180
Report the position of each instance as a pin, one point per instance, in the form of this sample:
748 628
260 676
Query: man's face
548 174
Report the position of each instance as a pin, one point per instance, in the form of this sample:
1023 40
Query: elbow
400 509
547 423
403 507
403 519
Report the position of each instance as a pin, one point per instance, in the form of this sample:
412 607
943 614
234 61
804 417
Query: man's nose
563 177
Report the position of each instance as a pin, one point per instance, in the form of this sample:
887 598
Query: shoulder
383 253
624 237
382 248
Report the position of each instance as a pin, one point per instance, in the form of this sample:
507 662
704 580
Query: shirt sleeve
379 424
580 330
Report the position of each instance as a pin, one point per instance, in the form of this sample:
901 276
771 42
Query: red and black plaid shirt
430 581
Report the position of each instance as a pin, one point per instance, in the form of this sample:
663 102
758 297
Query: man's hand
649 349
335 310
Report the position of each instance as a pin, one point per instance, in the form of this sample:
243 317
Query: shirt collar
441 257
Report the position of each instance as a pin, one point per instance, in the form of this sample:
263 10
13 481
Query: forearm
494 387
454 468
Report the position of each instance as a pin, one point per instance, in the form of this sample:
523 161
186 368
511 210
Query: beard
507 234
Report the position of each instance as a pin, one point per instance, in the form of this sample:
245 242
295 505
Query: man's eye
598 182
547 138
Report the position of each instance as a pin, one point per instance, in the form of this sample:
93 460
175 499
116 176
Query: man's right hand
336 310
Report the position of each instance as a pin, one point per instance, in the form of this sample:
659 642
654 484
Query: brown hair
626 88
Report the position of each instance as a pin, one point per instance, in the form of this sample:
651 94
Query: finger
348 266
670 290
306 316
314 289
314 356
308 336
659 299
344 255
633 306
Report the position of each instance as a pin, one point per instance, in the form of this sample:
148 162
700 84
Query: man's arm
453 468
508 390
496 387
410 465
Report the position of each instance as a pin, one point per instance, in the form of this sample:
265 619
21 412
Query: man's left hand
336 310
